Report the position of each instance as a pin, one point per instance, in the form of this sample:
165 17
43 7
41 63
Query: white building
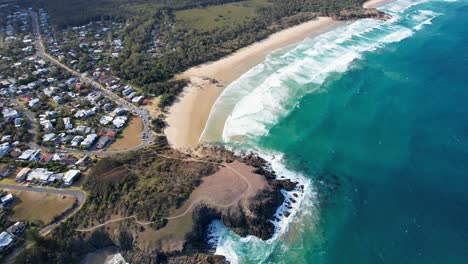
10 114
89 140
119 121
33 102
31 155
48 137
39 174
67 122
6 241
70 176
104 120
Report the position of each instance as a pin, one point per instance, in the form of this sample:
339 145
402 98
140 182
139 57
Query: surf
255 102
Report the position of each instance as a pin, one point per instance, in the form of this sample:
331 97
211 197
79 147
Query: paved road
148 137
79 195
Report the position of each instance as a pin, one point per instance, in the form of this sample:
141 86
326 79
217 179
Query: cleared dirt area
130 137
36 207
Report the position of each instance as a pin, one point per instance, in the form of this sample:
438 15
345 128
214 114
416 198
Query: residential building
7 198
33 102
30 155
119 121
18 122
6 241
89 140
70 176
10 114
39 174
17 228
4 148
67 123
22 174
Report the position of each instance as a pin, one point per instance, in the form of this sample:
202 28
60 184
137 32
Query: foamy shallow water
271 90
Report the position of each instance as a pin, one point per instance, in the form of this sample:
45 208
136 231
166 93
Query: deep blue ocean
372 118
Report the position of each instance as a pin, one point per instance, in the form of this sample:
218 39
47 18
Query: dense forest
183 46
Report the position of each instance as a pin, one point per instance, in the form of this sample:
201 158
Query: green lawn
220 16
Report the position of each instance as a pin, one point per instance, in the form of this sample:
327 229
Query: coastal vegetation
162 39
143 184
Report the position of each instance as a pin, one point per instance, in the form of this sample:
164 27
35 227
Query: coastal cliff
156 205
253 218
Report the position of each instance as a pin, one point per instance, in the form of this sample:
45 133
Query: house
7 198
104 120
10 114
118 111
39 174
67 123
89 140
22 174
76 140
4 148
58 99
69 160
48 137
137 99
17 228
70 176
128 90
46 157
94 96
4 173
6 241
102 142
84 162
18 122
119 121
30 155
47 125
33 102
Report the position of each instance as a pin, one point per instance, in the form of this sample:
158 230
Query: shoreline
188 116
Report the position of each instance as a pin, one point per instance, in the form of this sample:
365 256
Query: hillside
156 204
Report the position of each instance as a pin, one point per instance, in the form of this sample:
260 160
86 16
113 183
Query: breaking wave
268 92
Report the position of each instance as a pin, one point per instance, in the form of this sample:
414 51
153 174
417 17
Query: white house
70 176
6 241
10 114
33 102
31 155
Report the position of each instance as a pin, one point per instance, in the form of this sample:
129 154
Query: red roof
145 101
78 86
26 99
111 134
46 157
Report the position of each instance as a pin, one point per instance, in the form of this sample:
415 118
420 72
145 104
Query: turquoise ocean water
372 118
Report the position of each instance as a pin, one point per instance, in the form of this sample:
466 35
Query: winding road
147 135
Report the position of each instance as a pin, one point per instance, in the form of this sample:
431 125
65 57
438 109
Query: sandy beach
187 117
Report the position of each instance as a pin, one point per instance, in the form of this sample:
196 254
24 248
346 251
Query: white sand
187 117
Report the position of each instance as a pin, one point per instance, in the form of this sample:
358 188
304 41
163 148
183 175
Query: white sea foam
316 59
227 243
258 99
